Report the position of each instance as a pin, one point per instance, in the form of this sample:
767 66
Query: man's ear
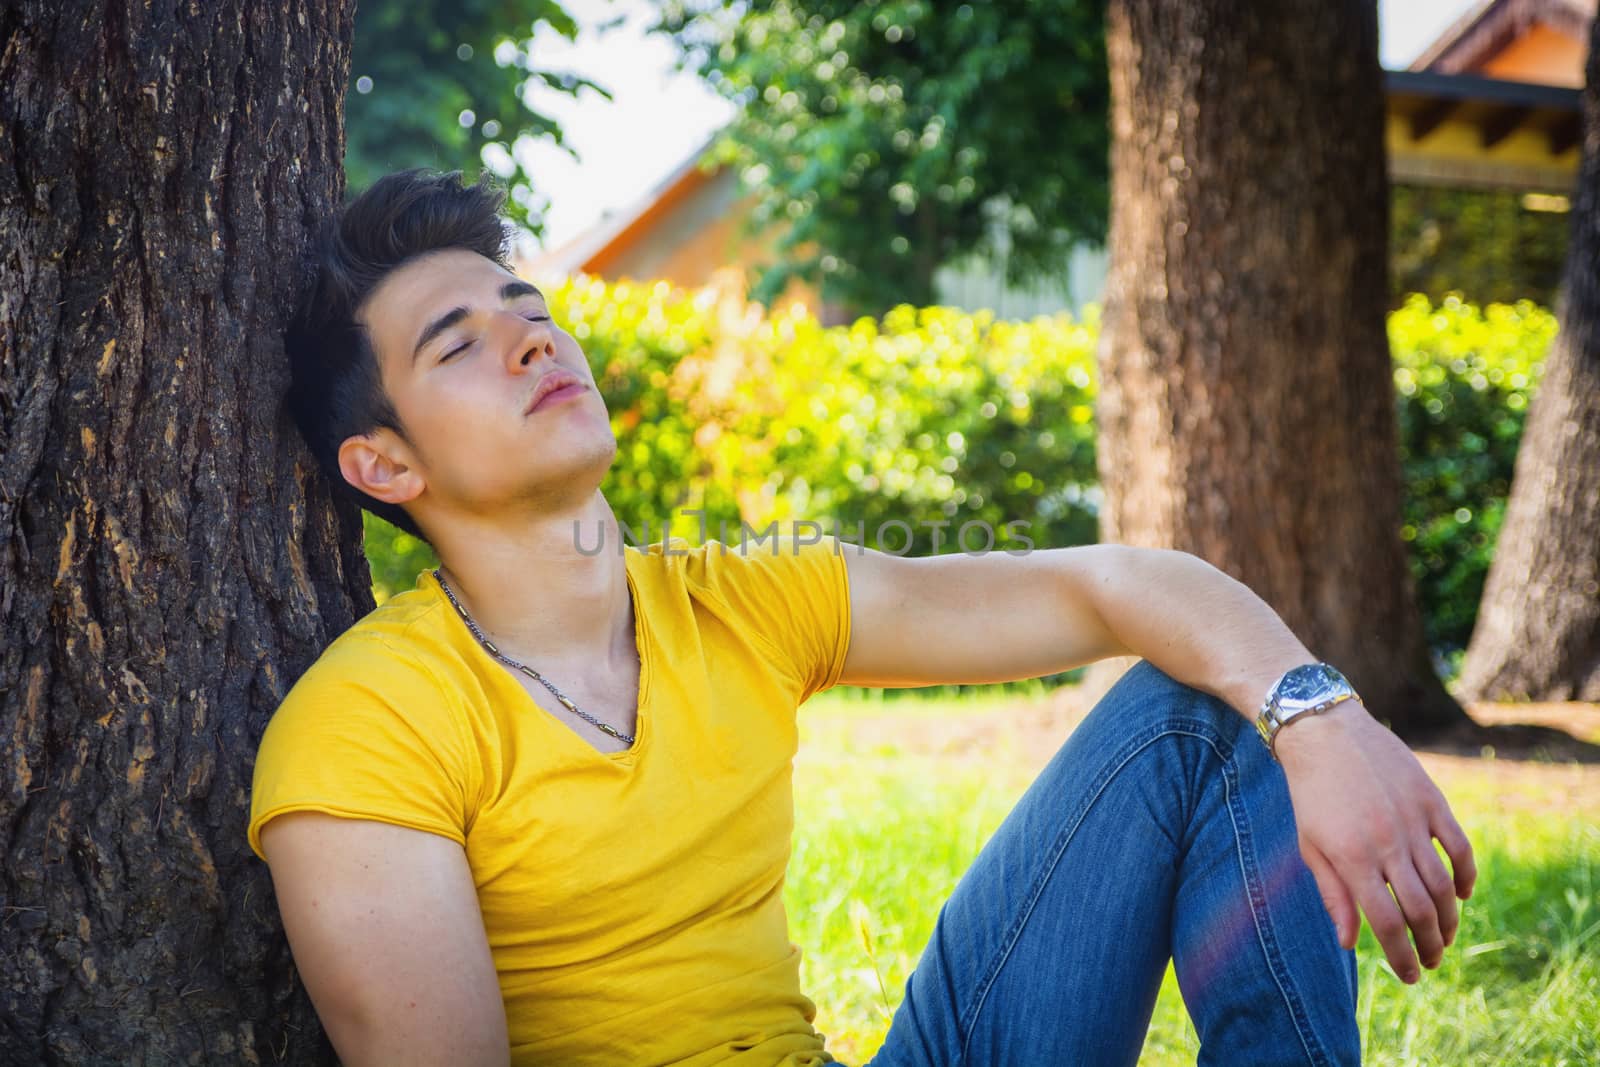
381 466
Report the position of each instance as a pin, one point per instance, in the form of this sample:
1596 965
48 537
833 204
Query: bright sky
658 117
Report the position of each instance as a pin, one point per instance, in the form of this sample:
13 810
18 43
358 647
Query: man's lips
555 381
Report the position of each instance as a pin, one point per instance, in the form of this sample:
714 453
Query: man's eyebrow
510 291
513 290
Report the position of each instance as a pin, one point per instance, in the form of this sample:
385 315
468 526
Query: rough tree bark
1538 629
169 558
1246 399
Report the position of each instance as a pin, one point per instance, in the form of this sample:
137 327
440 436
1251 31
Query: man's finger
1437 881
1420 912
1443 825
1335 897
1388 925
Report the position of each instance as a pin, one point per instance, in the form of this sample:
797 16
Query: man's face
464 347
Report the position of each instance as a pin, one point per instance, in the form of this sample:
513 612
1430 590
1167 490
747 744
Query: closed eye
463 347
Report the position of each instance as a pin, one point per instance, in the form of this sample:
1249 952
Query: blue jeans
1162 829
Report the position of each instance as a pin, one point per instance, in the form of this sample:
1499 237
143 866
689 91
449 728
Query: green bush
396 557
1463 379
937 416
930 417
1483 244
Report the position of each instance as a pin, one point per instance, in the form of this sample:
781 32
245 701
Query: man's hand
1367 815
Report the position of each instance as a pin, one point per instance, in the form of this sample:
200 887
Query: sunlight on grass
883 838
876 859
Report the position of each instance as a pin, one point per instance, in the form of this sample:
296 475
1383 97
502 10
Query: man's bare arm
997 617
386 933
1366 812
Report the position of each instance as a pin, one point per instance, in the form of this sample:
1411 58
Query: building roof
1486 30
1458 129
588 250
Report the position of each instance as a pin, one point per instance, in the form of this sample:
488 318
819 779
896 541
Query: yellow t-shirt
632 900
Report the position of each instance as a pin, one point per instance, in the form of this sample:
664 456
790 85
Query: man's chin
576 480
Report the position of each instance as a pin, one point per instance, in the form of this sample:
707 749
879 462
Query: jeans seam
1114 767
1265 935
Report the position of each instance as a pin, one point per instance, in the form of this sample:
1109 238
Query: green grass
883 837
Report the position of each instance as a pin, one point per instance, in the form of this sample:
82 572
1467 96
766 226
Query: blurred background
648 143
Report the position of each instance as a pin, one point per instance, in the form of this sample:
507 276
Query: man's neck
540 591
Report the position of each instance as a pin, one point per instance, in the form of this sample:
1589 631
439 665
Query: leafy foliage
396 558
930 416
1481 243
891 138
432 84
1464 377
880 430
936 416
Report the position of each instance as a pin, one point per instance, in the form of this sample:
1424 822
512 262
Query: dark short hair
336 390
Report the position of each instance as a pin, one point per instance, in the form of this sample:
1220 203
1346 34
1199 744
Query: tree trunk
1538 629
170 560
1246 398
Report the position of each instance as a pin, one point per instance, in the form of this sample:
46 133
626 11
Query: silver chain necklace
488 645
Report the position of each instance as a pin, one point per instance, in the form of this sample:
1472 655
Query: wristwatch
1307 690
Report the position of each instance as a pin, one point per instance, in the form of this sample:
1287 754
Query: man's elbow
366 1035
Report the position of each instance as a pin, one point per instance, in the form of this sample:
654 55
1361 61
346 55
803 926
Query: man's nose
531 340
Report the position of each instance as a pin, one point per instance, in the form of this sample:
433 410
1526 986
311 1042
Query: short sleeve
366 733
795 593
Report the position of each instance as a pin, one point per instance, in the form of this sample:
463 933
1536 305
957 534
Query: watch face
1307 685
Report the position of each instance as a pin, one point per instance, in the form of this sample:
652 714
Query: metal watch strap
1269 721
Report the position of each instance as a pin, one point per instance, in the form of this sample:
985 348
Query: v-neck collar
632 559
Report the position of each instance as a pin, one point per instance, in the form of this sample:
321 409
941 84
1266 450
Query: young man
538 809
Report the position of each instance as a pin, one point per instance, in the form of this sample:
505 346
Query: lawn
895 797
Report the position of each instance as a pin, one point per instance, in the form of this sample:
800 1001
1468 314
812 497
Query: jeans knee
1145 687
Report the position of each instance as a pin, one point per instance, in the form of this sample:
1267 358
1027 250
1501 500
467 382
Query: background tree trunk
1538 629
170 560
1247 399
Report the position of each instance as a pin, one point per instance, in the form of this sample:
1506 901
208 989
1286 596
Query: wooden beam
1412 168
1431 117
1565 133
1500 124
